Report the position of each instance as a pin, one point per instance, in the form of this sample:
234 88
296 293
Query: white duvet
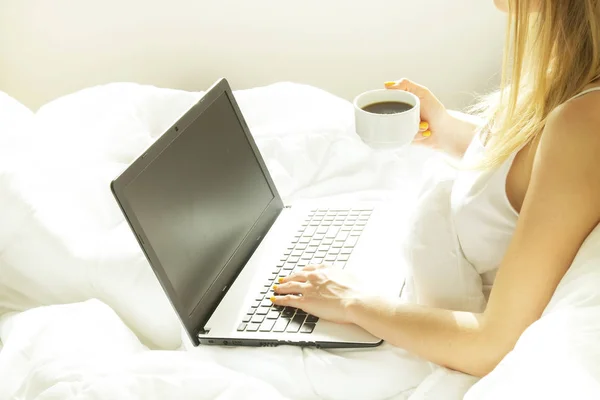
96 325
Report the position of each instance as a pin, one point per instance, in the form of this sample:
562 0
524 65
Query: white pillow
15 120
558 356
70 242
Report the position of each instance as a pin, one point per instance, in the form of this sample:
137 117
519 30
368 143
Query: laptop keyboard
327 236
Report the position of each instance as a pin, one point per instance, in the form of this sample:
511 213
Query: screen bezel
195 322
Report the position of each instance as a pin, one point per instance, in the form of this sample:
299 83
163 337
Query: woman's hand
434 116
322 291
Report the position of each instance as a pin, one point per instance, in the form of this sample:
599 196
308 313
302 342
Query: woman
542 147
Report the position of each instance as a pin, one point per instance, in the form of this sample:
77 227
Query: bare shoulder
573 129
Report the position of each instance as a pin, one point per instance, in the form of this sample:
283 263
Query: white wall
52 47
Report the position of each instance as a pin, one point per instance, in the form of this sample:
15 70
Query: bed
83 317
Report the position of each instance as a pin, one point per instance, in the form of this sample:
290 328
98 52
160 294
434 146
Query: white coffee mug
387 130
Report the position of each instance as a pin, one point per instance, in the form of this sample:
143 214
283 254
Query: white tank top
483 216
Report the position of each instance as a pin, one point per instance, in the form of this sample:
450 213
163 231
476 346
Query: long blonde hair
551 54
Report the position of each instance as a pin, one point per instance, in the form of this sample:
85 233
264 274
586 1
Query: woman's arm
561 208
460 129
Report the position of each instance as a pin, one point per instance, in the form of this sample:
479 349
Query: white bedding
63 241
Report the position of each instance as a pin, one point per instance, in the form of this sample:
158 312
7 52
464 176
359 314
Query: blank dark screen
198 199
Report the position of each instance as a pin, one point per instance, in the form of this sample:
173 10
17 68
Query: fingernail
423 126
273 298
280 280
275 287
389 83
426 134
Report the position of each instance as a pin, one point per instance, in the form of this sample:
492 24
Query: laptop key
351 242
301 312
295 324
280 325
260 297
267 325
253 327
255 304
307 328
258 318
287 313
247 318
242 327
332 232
273 314
343 257
312 319
342 236
266 303
262 311
310 231
251 311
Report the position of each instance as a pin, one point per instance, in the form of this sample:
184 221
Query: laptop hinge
203 332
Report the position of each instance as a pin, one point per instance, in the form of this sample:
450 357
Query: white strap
594 89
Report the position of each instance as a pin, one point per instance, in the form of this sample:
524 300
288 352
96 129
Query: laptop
208 217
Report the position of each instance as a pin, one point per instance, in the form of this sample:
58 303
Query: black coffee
388 107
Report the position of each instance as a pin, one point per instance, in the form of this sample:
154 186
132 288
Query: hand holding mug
433 114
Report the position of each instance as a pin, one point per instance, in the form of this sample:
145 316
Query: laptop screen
198 199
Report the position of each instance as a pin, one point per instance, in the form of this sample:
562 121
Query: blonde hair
550 55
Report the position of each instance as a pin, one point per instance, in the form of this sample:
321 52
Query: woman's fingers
287 300
302 275
424 132
291 288
295 277
409 86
